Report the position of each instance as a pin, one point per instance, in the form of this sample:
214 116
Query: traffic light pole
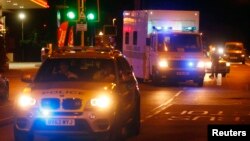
82 18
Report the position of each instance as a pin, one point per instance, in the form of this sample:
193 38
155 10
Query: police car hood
71 85
71 90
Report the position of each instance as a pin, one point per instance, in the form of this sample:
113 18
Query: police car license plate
182 73
60 122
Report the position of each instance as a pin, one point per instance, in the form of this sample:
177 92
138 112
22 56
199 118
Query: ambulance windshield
179 43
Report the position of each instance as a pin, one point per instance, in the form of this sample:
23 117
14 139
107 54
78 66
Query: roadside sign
81 27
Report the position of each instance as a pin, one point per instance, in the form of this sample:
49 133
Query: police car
73 104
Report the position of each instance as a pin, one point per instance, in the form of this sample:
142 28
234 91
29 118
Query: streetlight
22 16
114 19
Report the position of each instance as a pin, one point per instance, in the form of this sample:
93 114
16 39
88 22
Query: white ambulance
164 45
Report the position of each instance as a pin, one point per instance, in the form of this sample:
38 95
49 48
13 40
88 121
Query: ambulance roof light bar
161 28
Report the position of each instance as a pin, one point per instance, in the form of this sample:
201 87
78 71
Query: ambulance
164 45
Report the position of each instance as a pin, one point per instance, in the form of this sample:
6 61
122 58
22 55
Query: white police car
73 104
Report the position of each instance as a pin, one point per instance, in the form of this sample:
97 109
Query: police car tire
115 133
134 126
21 136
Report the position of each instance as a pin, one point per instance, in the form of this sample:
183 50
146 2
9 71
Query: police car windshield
54 70
179 42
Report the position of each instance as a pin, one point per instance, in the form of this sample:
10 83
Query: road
176 113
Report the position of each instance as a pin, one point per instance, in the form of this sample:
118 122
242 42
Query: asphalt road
176 113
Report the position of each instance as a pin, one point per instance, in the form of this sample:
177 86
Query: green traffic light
91 16
71 15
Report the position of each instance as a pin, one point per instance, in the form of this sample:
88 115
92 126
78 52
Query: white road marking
162 107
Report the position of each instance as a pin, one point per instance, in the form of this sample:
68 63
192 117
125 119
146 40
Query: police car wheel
22 136
134 126
117 131
200 82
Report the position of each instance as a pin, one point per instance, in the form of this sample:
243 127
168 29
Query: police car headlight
228 64
242 55
26 101
163 64
101 102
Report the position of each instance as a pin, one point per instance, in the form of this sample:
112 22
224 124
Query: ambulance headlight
26 101
101 102
163 64
200 64
208 64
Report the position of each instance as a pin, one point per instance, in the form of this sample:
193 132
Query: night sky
220 20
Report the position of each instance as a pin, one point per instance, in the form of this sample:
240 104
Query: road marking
167 102
247 64
237 119
219 80
162 107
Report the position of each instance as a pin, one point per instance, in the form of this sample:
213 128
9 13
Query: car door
127 88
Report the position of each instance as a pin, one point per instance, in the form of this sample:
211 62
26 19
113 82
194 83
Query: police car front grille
67 103
72 103
50 103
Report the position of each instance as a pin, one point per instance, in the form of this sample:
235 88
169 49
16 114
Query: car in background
4 87
224 66
235 52
77 104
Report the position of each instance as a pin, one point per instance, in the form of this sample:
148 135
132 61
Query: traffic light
92 10
91 16
71 14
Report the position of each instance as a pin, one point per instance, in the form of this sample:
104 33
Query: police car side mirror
27 78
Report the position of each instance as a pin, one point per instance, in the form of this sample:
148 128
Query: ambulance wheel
155 79
224 74
200 82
